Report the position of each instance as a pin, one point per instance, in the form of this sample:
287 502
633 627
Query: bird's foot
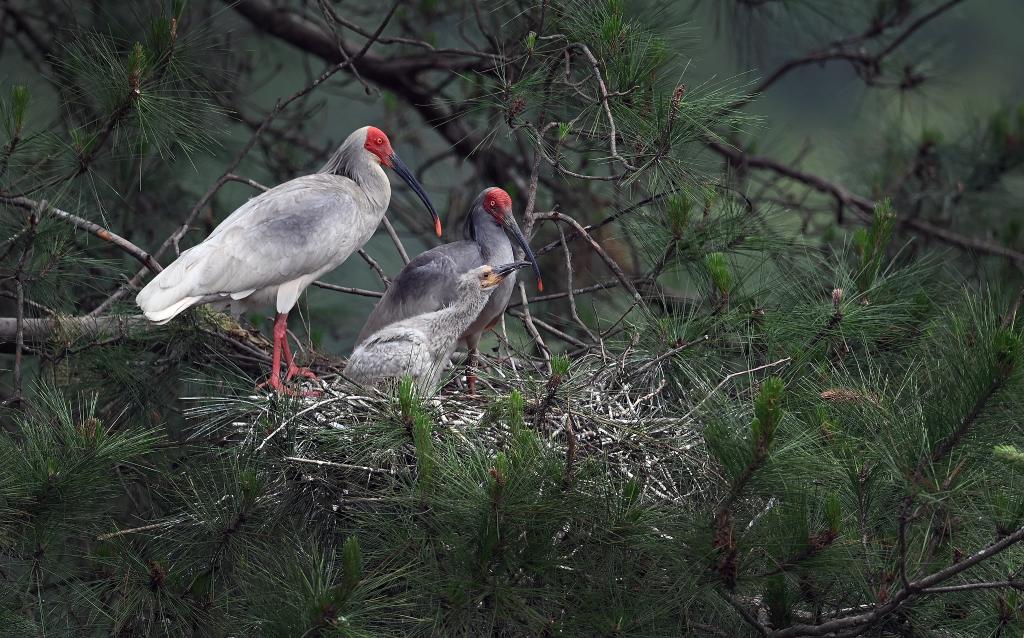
275 384
471 384
294 370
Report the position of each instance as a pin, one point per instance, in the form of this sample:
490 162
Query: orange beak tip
437 227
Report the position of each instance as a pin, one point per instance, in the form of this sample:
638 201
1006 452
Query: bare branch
862 205
581 232
395 239
149 262
569 291
345 289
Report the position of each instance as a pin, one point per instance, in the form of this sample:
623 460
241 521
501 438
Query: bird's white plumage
275 245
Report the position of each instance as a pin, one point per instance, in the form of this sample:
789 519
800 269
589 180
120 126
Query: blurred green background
822 114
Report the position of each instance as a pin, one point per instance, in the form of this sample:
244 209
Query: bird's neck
372 179
493 242
352 161
450 322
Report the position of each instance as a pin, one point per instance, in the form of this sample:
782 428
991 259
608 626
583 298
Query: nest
619 413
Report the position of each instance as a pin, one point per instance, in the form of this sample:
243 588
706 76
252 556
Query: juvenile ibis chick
428 282
419 346
275 245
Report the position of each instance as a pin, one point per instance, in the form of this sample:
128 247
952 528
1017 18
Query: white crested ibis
419 346
276 244
428 282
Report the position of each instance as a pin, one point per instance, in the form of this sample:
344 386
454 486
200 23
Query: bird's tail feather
166 314
171 292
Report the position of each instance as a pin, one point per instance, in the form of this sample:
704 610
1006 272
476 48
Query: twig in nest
570 445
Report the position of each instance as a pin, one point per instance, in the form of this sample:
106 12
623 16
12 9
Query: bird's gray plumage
429 281
419 346
275 245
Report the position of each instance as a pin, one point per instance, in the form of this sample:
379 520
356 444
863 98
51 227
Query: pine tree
751 401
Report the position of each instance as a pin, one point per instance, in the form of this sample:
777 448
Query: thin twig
528 222
604 285
613 134
520 314
345 466
998 584
674 351
375 266
19 283
345 289
572 297
730 377
395 239
144 528
616 270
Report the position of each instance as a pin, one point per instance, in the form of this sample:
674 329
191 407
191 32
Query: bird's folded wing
425 284
288 232
388 354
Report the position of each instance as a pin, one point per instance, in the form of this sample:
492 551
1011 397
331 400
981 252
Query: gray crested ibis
419 346
275 245
428 282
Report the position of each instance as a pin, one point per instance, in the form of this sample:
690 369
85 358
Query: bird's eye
380 140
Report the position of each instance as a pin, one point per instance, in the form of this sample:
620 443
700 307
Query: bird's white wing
296 229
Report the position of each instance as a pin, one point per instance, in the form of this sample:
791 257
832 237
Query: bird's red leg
280 336
292 368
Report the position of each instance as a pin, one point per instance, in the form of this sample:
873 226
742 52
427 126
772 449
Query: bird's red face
498 204
379 144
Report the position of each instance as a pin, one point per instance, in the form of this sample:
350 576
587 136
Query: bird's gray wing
295 229
425 284
388 354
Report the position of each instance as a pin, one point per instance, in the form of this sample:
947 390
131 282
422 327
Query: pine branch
862 621
144 258
851 49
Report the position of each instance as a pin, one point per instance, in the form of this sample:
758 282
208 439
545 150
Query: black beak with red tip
403 171
512 227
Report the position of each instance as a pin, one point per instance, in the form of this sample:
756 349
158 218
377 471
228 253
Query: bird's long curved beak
512 227
505 269
498 273
399 166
